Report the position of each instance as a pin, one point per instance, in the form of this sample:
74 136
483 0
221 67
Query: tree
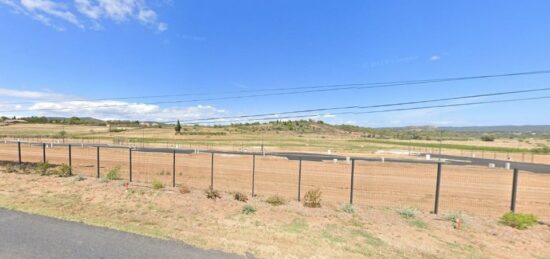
178 128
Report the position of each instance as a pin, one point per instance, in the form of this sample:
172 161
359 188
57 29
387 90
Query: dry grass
288 231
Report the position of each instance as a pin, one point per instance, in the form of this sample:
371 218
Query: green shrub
157 185
79 178
240 196
347 208
276 200
407 213
487 138
113 174
64 171
519 220
42 168
312 199
248 209
212 194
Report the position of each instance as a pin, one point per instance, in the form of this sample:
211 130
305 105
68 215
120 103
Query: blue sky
55 52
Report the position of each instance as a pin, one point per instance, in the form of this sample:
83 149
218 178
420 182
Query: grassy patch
248 209
368 237
407 213
276 200
113 174
297 225
157 185
519 220
347 208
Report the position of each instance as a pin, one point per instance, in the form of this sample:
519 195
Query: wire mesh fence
471 189
396 184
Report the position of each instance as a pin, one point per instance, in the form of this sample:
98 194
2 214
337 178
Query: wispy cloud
6 92
118 110
86 14
435 58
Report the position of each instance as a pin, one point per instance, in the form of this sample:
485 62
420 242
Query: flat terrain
30 236
315 138
473 189
289 231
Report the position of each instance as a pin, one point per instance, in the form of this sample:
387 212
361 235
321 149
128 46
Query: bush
312 199
79 178
113 174
212 194
519 220
157 185
407 213
42 168
64 171
487 138
184 189
240 196
347 208
276 200
248 209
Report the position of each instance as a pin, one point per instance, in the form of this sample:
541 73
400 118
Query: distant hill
320 127
504 128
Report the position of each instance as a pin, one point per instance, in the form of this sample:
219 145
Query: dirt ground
287 231
476 190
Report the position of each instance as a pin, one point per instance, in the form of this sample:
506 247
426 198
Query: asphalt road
30 236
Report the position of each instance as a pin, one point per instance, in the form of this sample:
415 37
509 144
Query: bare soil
289 231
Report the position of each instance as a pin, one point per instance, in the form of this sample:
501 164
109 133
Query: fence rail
436 187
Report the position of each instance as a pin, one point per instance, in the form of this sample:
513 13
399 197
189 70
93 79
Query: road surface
30 236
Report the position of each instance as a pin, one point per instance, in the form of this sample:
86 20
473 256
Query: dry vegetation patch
289 230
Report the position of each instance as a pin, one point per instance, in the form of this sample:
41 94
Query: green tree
178 128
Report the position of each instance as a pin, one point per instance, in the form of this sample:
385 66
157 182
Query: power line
370 106
388 110
313 89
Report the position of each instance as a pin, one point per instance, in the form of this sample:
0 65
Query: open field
476 190
289 231
228 138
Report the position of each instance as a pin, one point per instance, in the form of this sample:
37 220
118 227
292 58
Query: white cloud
27 94
87 13
435 58
118 110
41 7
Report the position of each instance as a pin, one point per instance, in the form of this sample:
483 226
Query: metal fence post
299 177
253 171
212 172
351 184
437 187
44 152
514 190
97 161
174 169
70 160
130 164
19 152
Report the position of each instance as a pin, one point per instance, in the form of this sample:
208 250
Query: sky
57 58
